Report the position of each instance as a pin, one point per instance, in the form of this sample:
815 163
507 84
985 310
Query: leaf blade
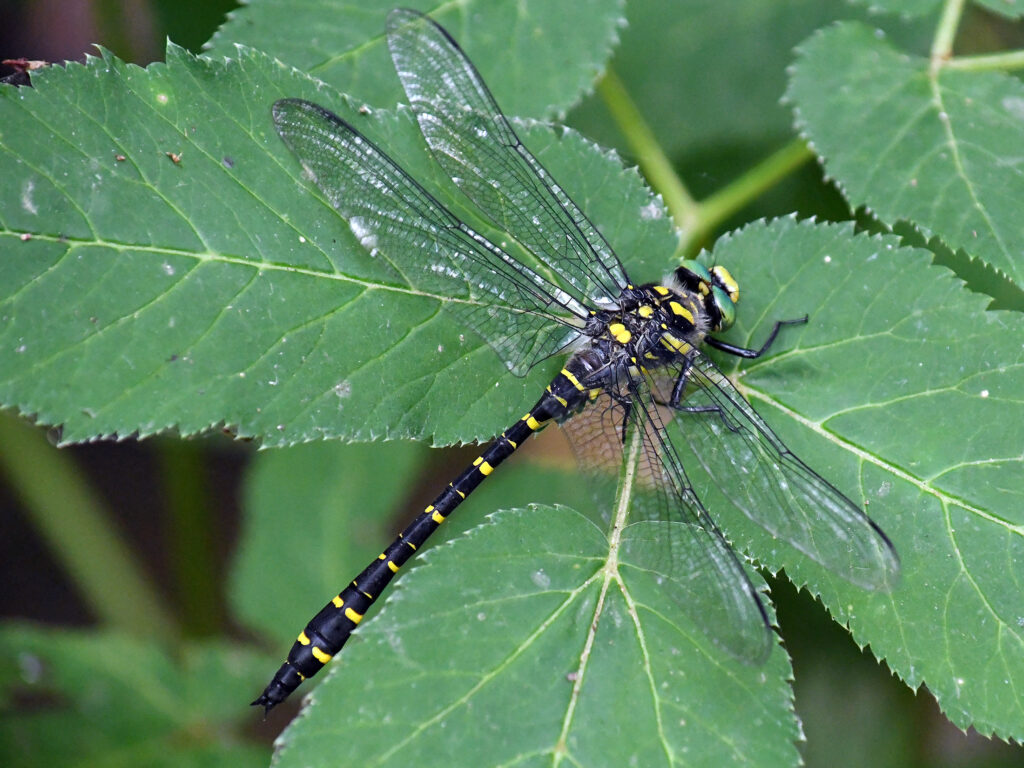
939 149
858 393
234 276
529 613
540 57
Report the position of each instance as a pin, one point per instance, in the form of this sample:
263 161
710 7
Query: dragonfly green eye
717 281
690 273
726 292
726 307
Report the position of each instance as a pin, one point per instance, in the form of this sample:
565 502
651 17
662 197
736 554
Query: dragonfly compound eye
692 274
726 307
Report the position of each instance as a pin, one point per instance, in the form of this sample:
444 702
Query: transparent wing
475 144
770 485
670 533
519 313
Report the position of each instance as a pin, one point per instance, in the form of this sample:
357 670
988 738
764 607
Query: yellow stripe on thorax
676 345
679 309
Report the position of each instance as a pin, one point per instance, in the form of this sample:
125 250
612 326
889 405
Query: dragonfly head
717 289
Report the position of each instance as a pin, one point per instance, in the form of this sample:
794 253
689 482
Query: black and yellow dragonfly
634 360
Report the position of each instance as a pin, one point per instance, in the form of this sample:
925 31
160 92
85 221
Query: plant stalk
738 193
650 156
70 517
945 34
1000 62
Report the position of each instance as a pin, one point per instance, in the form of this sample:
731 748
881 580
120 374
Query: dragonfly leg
626 404
679 389
751 354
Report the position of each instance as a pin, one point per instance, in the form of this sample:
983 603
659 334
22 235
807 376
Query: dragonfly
634 359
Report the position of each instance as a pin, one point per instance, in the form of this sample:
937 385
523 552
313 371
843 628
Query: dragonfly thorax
655 324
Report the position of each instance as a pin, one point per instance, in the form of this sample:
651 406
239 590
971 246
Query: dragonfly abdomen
328 631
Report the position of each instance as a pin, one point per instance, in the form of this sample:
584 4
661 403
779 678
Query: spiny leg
751 354
675 401
626 403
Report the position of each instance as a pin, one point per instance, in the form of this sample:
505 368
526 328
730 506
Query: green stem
189 536
650 156
945 33
1002 62
735 195
69 516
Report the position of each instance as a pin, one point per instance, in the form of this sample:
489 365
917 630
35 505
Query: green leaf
895 392
938 149
233 294
514 645
855 392
104 699
230 264
708 77
538 57
1012 9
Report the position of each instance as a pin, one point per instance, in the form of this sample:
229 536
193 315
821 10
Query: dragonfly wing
671 535
754 469
476 145
519 313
